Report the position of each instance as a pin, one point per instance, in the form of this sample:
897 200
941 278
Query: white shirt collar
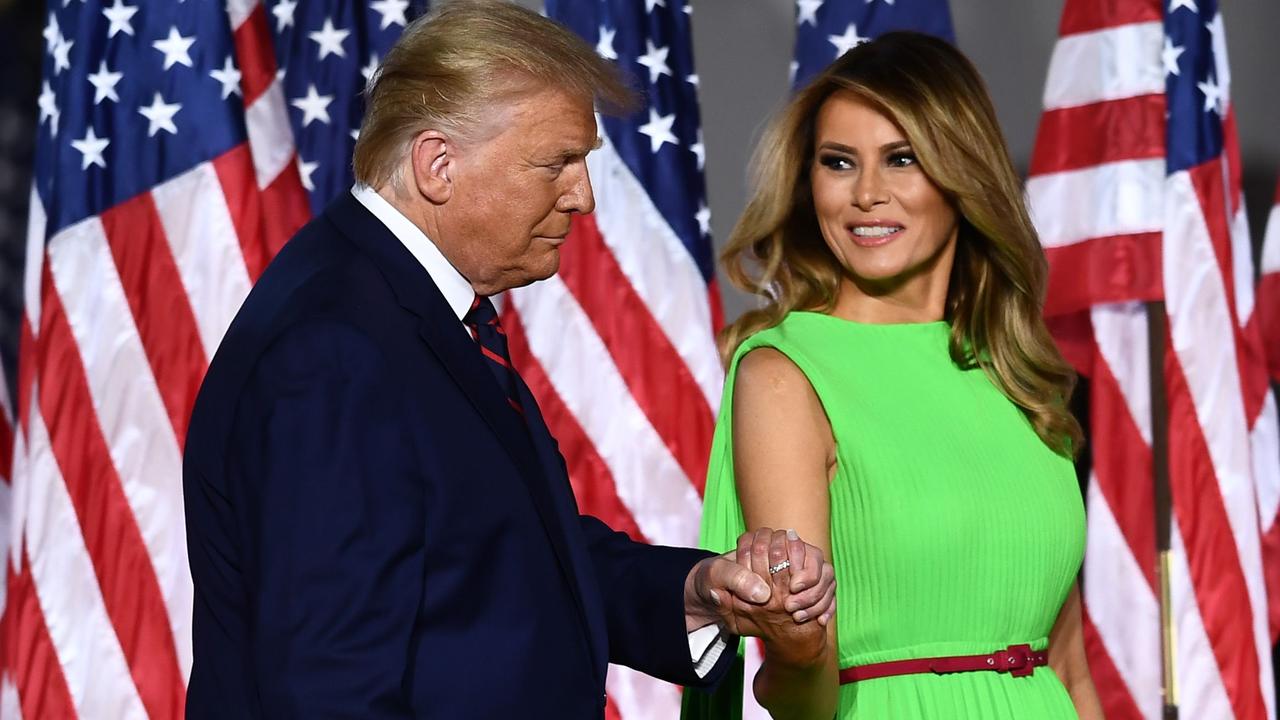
455 288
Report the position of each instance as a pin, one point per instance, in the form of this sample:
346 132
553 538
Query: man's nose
579 198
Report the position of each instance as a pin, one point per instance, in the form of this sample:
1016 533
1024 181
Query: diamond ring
775 569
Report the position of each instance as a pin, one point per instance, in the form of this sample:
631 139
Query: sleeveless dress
954 529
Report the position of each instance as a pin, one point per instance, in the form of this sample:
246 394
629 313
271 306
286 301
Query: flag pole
1156 334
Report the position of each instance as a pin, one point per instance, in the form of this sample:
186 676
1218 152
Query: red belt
1017 660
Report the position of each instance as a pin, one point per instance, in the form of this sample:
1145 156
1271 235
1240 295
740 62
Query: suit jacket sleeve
335 518
643 589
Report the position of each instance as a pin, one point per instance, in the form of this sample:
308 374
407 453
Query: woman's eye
835 162
902 159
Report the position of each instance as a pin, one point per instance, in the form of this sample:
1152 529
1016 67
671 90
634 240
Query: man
379 523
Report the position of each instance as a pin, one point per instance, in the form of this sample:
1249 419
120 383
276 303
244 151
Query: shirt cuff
706 644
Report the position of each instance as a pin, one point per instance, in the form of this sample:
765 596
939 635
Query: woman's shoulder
767 366
786 335
776 358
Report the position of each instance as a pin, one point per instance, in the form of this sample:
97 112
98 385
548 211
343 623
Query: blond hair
454 68
996 292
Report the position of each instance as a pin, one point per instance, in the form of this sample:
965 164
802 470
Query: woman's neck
866 303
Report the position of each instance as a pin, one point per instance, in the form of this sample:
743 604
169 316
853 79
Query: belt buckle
1016 660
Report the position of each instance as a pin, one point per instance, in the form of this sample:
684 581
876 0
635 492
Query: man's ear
432 159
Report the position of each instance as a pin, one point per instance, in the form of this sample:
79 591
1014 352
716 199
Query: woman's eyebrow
830 145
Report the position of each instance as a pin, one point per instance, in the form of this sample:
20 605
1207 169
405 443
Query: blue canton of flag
1197 82
131 97
327 51
827 29
137 94
662 145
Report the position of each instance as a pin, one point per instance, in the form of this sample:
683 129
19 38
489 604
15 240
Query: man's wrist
696 612
694 623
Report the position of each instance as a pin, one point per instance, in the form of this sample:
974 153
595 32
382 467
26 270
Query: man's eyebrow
583 151
575 152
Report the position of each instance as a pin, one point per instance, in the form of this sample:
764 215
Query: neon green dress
954 529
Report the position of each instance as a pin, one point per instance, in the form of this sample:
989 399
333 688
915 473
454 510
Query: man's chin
546 268
548 265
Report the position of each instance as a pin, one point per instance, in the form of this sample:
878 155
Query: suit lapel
444 335
462 359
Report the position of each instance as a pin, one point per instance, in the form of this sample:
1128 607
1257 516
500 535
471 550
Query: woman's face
885 221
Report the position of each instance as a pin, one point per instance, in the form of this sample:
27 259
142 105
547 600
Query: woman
899 402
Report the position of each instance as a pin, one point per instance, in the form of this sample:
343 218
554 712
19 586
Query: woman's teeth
876 231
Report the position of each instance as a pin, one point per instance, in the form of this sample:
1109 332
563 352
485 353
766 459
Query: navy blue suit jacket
374 533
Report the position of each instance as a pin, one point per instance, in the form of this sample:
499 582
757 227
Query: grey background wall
742 49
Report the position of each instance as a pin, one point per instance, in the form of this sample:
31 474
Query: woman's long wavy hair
997 285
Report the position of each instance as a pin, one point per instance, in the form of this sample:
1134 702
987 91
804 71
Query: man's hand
732 590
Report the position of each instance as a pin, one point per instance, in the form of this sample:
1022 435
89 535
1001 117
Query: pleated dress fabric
954 529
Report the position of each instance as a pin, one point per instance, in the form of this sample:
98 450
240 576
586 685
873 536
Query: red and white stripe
123 312
619 349
1182 239
1110 253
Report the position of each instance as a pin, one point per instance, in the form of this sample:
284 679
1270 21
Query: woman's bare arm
783 458
1067 658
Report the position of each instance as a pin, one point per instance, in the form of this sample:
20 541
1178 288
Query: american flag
166 179
619 346
1135 189
827 29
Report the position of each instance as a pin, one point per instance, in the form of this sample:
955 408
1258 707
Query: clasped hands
789 608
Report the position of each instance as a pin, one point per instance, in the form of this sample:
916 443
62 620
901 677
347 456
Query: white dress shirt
705 644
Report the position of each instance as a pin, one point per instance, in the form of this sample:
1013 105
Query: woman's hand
802 600
797 679
737 591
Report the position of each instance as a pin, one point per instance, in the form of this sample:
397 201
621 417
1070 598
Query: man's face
515 192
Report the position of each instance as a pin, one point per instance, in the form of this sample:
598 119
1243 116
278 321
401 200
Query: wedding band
775 569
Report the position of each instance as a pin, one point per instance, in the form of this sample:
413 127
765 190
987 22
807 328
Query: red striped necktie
482 321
